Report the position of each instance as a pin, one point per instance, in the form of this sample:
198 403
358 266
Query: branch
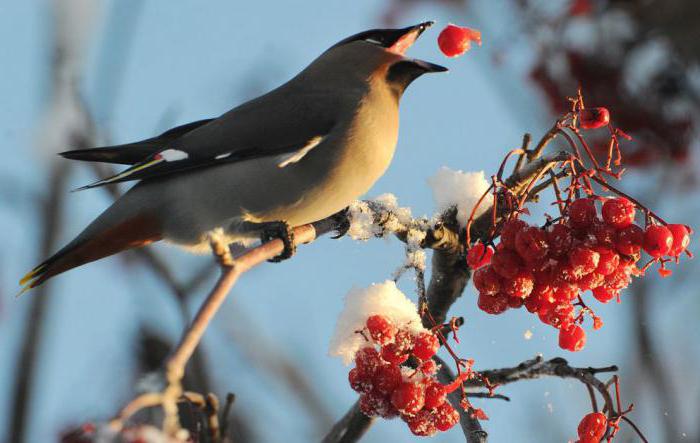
350 428
471 427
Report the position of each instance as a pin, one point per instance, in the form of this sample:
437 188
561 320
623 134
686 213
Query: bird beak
408 37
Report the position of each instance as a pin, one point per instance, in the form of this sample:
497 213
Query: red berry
423 424
374 404
560 316
560 239
408 398
619 279
456 40
367 362
387 378
584 260
519 286
531 243
582 213
604 293
510 230
428 367
486 281
658 240
381 329
493 304
572 338
618 212
608 262
359 383
565 292
426 344
604 234
506 263
592 427
446 417
629 240
681 239
435 395
392 353
591 281
479 255
593 118
515 302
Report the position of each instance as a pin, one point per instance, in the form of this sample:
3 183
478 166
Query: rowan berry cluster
389 389
548 269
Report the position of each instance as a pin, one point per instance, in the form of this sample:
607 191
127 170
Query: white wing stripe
295 156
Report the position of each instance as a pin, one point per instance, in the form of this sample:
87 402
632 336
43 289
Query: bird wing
132 153
267 126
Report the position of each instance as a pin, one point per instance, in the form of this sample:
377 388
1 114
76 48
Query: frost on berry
572 338
446 417
658 240
560 239
618 212
486 281
456 40
519 286
425 345
592 427
422 424
381 329
387 378
359 382
435 395
531 243
408 398
367 362
584 260
374 404
608 261
582 213
493 304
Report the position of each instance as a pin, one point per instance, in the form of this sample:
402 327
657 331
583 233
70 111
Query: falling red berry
456 40
593 118
592 427
572 338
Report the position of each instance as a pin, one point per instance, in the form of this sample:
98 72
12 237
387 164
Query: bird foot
220 249
342 223
280 230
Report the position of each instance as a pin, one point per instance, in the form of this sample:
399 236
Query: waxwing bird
295 155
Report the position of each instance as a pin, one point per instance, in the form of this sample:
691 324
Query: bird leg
279 230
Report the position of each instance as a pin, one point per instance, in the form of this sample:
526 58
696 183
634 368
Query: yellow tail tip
30 275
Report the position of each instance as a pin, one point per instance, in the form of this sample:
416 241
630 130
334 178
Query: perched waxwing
295 155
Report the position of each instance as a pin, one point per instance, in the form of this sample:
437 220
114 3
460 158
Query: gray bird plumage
296 154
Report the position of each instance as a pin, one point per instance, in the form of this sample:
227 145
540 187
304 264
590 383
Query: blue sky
190 60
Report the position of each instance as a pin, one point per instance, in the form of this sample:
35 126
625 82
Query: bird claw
222 252
343 223
280 230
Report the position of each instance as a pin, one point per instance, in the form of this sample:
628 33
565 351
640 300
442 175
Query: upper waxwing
295 155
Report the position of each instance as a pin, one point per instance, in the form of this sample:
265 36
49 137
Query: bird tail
90 246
